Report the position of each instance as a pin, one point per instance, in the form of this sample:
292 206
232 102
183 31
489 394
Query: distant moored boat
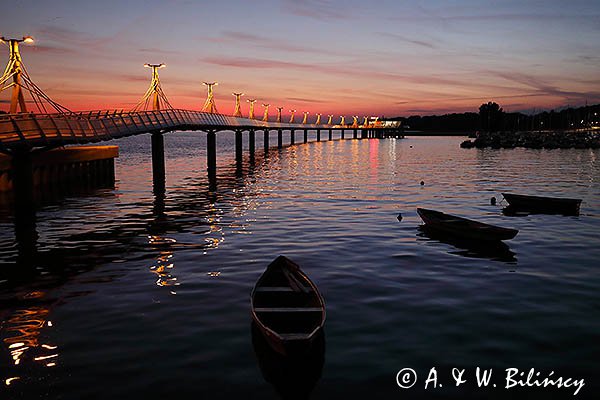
463 227
540 204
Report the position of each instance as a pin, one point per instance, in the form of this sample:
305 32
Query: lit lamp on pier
238 107
251 113
305 117
279 109
318 121
209 104
330 119
154 92
15 69
292 115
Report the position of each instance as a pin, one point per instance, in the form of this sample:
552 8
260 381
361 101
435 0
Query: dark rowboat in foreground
463 227
287 307
540 204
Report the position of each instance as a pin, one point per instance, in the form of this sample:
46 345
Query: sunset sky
381 57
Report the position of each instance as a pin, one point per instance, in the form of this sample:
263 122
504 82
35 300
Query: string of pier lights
210 106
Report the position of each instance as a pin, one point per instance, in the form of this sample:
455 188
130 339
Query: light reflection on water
395 296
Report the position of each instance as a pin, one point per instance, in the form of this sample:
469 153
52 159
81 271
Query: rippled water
122 294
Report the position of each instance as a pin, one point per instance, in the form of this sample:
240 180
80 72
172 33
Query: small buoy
399 217
493 201
422 183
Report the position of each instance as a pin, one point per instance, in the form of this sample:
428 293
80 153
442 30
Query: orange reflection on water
373 159
163 267
21 335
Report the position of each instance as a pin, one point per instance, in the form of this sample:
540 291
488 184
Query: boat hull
287 307
463 227
540 204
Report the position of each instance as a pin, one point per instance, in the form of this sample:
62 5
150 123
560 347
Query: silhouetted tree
491 116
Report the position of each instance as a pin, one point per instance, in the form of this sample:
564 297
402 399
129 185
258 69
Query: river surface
117 293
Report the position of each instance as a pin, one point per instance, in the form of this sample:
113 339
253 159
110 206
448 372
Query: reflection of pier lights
266 113
238 107
154 96
209 105
292 116
305 117
330 119
251 113
279 113
318 121
16 70
343 121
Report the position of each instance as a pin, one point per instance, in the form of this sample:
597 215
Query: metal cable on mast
21 81
154 98
209 104
251 113
238 107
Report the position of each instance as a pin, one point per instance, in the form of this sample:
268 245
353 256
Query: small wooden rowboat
463 227
551 205
287 307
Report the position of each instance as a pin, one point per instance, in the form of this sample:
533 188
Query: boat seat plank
294 336
288 309
274 289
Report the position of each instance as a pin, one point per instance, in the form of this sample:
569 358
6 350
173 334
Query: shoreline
535 140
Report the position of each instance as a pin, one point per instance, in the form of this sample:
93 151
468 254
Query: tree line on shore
492 118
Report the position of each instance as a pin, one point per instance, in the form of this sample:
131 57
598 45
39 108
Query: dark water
121 294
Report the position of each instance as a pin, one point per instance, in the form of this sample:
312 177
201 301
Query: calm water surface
122 294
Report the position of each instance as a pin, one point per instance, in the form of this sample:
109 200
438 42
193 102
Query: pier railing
34 130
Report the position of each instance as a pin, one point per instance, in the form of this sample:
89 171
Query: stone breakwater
535 140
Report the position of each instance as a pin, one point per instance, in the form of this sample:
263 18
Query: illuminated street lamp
305 117
15 70
292 116
154 94
330 119
266 114
238 107
279 113
251 113
318 121
209 104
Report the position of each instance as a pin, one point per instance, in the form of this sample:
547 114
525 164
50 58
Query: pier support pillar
305 136
330 135
292 137
318 135
211 153
25 226
238 146
251 142
363 134
158 162
354 134
266 140
342 134
22 167
279 139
